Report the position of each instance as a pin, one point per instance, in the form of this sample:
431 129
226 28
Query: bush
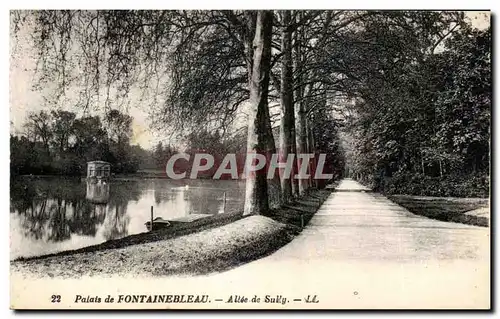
449 186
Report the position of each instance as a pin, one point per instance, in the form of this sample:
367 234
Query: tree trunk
294 181
247 38
305 140
301 141
256 196
312 150
274 185
300 126
286 99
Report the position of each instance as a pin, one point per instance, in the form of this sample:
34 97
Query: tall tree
300 112
39 128
194 66
62 128
256 197
119 127
287 123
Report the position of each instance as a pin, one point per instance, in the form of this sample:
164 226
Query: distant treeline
60 143
204 141
410 90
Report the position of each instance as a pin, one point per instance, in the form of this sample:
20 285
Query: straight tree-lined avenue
359 251
356 224
361 239
253 113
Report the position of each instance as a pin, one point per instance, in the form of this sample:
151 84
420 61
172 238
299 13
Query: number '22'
56 298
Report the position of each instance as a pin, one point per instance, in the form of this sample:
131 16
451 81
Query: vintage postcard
250 159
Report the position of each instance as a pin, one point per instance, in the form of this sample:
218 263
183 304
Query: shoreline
212 244
173 231
117 177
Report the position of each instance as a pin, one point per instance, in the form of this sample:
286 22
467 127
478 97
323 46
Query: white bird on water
186 187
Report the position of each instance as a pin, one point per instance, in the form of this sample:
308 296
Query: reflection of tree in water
58 229
162 195
125 191
86 217
158 197
41 207
22 196
54 209
116 224
203 200
33 218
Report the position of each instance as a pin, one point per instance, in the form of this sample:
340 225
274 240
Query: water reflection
55 214
97 193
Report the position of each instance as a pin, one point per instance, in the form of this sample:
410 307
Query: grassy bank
175 230
473 185
216 243
446 209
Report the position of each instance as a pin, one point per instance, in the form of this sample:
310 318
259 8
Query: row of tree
59 142
205 68
423 127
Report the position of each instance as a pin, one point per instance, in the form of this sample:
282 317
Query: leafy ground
459 210
220 245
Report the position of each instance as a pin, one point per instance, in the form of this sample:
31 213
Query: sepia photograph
250 159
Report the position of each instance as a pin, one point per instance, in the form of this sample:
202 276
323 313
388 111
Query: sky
24 99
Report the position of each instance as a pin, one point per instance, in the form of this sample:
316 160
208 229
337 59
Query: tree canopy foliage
429 120
409 90
60 143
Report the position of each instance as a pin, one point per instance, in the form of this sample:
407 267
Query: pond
53 214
